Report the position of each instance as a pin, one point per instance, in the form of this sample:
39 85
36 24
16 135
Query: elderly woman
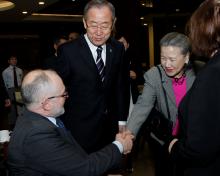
198 149
176 79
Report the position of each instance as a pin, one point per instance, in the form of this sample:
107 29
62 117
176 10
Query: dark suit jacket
94 108
198 150
3 95
38 147
51 62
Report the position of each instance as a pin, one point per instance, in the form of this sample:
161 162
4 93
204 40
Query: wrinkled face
172 60
57 100
12 61
98 24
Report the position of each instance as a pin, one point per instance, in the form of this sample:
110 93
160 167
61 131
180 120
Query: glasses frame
95 28
64 95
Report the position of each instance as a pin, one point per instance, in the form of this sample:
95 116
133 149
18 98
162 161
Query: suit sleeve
199 119
4 94
63 65
144 104
47 151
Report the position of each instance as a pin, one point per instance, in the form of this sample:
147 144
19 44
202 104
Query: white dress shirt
93 49
8 76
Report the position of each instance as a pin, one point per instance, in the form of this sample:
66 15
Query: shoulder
76 44
6 70
19 69
115 43
153 72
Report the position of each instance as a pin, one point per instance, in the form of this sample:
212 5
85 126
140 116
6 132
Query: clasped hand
126 139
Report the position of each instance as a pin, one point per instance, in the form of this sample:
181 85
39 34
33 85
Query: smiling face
172 60
98 24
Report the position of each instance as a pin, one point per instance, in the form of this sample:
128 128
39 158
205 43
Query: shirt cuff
119 145
122 122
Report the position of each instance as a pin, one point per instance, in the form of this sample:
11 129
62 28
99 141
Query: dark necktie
60 123
100 63
15 78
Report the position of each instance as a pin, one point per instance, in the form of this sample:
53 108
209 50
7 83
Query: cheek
180 64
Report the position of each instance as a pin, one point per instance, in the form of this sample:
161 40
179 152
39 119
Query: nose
99 30
167 63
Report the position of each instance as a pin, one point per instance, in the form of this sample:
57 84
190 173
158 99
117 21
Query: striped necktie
100 64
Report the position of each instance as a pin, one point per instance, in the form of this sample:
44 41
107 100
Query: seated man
40 144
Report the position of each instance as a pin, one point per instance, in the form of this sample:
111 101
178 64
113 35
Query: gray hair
99 4
34 91
178 40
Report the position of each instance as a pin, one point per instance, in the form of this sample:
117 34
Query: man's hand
133 75
7 103
122 128
126 141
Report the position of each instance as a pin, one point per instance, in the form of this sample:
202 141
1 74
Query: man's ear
84 23
113 24
46 105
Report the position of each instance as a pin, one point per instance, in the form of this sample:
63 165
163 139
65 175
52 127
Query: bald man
40 144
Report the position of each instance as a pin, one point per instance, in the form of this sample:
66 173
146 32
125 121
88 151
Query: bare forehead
99 11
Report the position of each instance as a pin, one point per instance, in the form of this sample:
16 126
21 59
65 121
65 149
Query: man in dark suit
96 108
40 144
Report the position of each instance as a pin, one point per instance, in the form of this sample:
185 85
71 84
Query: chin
170 74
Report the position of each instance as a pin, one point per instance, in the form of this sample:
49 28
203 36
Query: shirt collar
93 47
52 119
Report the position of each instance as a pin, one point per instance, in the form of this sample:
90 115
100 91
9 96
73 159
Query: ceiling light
6 5
24 12
41 2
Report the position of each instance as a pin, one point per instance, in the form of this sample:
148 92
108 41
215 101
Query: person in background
177 79
4 98
52 61
73 35
135 74
12 77
133 93
41 145
196 150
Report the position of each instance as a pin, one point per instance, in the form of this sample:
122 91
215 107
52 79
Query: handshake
125 137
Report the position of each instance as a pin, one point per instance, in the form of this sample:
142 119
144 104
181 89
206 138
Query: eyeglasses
64 95
103 27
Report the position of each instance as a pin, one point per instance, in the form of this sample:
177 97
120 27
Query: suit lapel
87 57
109 58
167 85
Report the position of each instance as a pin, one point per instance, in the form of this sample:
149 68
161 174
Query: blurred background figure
73 36
52 61
4 102
12 77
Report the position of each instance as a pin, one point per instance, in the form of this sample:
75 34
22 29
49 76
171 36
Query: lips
168 70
